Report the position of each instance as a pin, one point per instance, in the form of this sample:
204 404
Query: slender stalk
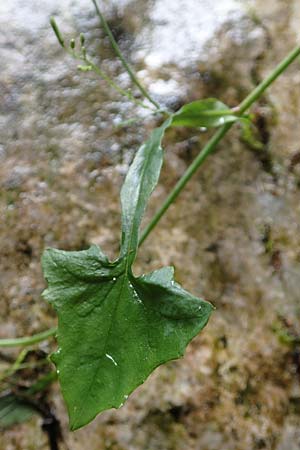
260 89
29 340
207 150
114 85
122 59
83 56
213 142
15 368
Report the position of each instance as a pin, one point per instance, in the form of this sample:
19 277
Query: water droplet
114 279
111 358
222 120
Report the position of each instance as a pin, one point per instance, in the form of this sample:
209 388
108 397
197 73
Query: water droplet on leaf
111 358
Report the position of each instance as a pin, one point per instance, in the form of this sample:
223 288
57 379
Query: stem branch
120 55
260 89
213 142
114 85
29 340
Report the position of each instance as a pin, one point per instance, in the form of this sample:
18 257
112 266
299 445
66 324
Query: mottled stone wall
233 235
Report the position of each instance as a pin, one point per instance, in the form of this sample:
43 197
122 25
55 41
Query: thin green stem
213 142
15 368
89 63
92 66
207 150
114 85
120 55
29 340
261 88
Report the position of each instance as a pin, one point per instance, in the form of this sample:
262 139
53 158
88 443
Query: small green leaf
204 113
139 183
14 411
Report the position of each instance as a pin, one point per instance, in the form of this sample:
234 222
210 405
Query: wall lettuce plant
115 328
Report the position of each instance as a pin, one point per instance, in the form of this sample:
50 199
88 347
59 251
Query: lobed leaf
114 330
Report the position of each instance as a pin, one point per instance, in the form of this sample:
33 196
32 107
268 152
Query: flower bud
82 39
57 32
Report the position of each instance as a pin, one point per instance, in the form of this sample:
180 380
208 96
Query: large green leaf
114 329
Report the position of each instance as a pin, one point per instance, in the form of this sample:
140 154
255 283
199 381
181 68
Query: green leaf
114 329
139 183
14 411
204 113
144 172
250 136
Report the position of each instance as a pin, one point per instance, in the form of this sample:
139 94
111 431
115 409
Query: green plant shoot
114 328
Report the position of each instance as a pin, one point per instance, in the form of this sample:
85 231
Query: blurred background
233 235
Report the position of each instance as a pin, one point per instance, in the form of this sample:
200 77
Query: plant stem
29 340
82 56
213 142
16 367
114 85
260 89
207 150
122 59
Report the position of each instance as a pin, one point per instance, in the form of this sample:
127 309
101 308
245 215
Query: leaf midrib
107 337
129 250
